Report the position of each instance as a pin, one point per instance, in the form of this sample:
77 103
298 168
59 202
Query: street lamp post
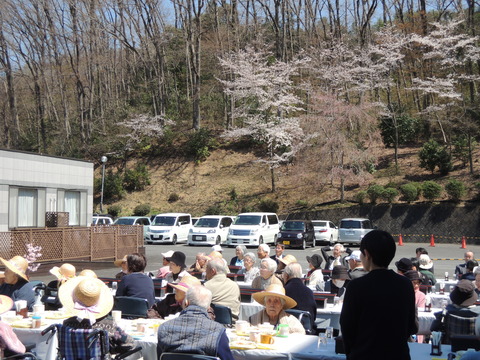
103 160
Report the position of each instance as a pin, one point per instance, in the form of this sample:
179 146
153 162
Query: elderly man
356 267
263 251
336 258
224 291
200 263
369 302
298 291
276 302
16 285
193 331
461 269
267 275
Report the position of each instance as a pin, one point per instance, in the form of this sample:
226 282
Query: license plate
156 236
286 243
197 238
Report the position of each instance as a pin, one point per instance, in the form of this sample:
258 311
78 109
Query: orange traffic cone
432 241
464 243
400 240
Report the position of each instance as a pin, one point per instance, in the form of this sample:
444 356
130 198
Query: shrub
431 190
142 210
302 203
199 144
455 189
114 210
136 179
173 197
409 192
375 192
233 195
268 206
419 188
112 188
214 210
433 155
389 194
361 196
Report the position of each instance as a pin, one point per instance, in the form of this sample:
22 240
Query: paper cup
117 315
38 309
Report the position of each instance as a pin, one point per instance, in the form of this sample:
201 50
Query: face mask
339 283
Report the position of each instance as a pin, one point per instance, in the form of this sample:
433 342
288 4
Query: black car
296 233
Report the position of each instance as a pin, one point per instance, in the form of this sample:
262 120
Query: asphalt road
439 253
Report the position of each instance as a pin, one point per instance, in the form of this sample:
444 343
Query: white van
253 229
169 227
210 230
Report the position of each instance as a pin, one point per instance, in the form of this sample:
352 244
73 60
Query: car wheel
275 239
174 239
218 240
304 244
260 240
313 243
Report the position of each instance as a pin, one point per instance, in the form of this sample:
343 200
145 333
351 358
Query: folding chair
131 307
304 317
456 324
83 344
223 314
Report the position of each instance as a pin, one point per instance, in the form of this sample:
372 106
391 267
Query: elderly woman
122 264
336 285
16 285
178 268
90 301
136 283
315 273
249 270
276 302
165 269
240 252
267 275
200 263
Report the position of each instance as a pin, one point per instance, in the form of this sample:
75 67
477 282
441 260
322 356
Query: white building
32 185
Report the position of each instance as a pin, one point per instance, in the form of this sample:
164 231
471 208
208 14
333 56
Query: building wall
51 177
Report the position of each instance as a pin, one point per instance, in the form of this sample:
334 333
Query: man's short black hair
471 264
136 262
381 247
421 250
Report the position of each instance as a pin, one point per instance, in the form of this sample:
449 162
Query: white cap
217 248
167 254
355 255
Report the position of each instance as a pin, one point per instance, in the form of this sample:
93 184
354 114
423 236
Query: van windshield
164 221
207 223
248 220
351 224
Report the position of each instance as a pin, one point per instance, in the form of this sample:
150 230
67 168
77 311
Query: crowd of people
353 276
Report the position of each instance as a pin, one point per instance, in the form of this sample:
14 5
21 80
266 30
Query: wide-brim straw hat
119 262
275 290
186 283
18 265
88 273
64 272
88 291
288 259
6 303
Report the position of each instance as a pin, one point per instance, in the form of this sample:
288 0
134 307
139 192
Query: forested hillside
315 87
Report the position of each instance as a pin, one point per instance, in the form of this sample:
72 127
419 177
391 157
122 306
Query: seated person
16 285
477 282
403 265
200 263
356 267
90 301
178 268
249 270
279 249
276 302
335 259
426 265
165 269
315 273
88 273
240 252
416 280
461 269
470 268
136 283
193 331
267 275
337 283
9 342
63 273
121 263
172 303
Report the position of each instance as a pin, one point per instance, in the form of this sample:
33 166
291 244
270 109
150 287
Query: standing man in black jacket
378 314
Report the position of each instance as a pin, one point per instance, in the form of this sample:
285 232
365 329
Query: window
272 219
27 207
72 206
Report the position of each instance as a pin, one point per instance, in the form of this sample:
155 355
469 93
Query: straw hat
6 303
64 272
88 273
288 259
18 265
88 292
275 290
215 255
187 282
120 261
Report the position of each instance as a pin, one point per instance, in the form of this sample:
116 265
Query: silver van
352 230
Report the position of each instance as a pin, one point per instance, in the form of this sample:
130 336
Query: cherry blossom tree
265 105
